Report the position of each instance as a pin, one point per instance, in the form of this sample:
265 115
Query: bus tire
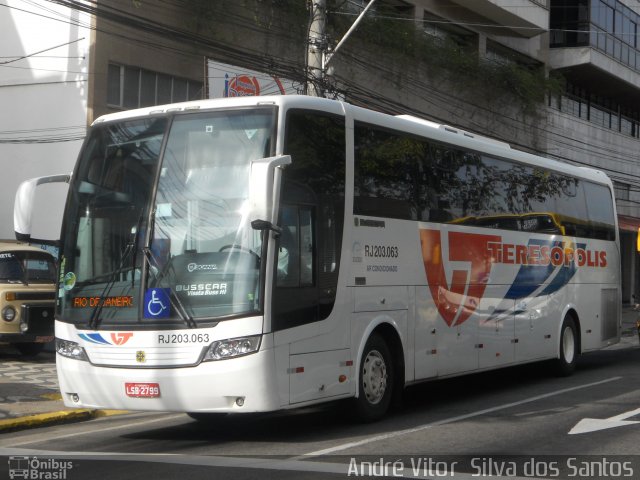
568 352
375 380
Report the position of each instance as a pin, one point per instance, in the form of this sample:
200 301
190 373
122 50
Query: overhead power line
41 51
251 58
255 59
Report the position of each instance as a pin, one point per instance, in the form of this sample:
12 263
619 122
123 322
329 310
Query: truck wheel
376 380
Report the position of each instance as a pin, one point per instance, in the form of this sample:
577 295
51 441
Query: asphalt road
520 422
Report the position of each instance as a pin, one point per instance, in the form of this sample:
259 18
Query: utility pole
318 54
316 49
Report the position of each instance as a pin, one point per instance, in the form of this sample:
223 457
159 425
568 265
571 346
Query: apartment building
594 44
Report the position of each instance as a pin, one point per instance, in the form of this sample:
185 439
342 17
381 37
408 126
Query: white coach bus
257 254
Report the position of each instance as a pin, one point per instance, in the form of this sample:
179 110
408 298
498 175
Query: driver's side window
295 248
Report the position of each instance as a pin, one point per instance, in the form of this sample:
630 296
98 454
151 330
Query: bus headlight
70 350
233 347
8 313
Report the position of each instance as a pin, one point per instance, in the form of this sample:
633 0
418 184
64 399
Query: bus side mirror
262 225
24 204
263 189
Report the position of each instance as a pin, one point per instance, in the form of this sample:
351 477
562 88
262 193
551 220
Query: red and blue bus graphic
545 266
117 338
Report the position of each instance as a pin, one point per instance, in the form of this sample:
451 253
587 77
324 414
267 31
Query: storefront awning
628 224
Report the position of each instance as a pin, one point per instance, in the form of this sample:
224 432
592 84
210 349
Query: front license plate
142 390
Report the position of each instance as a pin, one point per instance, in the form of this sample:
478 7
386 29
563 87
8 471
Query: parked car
27 297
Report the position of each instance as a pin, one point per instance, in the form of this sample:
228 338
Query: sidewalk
29 395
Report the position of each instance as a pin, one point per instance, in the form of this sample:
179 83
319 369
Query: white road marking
408 470
408 431
299 463
587 425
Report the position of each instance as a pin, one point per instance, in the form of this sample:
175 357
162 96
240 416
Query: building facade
44 78
560 78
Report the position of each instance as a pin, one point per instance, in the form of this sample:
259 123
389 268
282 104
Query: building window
622 191
599 110
569 23
606 25
501 55
444 31
132 87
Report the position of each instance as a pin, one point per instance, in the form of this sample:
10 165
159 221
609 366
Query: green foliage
277 15
452 59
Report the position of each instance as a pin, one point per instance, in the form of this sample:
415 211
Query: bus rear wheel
376 380
566 363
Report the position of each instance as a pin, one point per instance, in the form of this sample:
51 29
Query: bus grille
152 357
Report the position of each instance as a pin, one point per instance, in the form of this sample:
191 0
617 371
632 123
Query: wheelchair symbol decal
157 303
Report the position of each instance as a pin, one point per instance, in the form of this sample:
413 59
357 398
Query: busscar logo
203 289
196 267
545 266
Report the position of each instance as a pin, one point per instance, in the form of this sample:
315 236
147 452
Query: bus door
296 294
299 298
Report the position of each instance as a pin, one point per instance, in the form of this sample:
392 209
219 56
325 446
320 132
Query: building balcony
598 72
525 18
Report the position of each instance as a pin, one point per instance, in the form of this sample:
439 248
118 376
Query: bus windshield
157 227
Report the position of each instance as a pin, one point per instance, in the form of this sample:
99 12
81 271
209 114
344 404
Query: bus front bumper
239 385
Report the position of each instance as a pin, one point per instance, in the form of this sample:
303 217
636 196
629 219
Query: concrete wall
605 149
44 99
225 31
413 87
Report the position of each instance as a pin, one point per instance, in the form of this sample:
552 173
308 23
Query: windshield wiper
175 301
94 321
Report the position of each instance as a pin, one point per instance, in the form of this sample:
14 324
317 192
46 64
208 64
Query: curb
52 418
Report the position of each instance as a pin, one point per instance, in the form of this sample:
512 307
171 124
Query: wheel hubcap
568 345
374 377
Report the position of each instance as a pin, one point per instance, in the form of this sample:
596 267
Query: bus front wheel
376 380
566 363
